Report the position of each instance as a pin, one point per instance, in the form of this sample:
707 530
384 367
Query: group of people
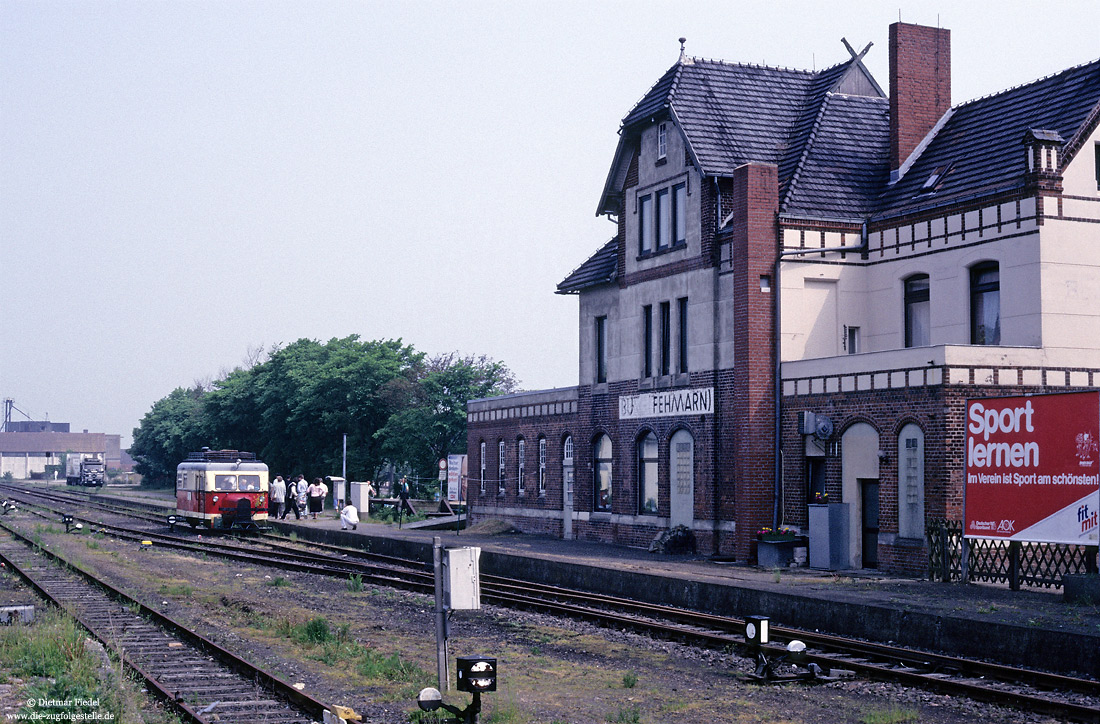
297 496
304 498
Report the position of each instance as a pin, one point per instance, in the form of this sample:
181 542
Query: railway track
201 681
1063 697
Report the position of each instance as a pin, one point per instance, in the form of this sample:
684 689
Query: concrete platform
1032 627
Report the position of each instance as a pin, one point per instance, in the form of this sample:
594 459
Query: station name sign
1033 468
667 403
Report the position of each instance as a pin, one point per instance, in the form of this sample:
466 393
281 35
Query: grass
277 582
893 715
630 680
355 583
53 657
631 715
175 589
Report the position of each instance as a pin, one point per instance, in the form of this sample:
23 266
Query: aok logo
1086 448
1007 526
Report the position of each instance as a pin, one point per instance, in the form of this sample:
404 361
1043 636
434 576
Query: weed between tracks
53 660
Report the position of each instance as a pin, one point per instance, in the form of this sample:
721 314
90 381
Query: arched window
985 303
647 474
542 466
500 468
521 450
602 459
918 320
911 482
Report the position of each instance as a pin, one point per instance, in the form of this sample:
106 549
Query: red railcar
222 489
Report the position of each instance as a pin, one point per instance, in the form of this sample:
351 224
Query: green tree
431 420
171 429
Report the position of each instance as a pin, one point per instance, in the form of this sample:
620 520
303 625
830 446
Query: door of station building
682 483
869 499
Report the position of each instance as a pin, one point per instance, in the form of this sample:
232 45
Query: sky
183 182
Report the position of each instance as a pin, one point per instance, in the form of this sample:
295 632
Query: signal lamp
477 674
429 699
756 630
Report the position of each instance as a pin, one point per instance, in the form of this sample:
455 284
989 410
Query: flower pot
775 553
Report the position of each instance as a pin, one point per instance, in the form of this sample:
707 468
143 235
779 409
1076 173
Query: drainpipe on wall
714 367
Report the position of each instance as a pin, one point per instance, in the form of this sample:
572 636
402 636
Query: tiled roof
846 163
828 134
600 268
982 142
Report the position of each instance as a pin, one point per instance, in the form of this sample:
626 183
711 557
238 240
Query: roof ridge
810 137
757 66
1027 84
675 69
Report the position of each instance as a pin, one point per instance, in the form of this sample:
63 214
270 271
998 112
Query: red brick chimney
920 85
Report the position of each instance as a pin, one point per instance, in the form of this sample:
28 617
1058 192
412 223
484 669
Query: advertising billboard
1032 468
456 478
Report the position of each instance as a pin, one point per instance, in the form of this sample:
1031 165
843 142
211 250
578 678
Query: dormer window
662 140
935 178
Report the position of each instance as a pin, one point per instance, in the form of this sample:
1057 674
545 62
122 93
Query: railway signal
476 674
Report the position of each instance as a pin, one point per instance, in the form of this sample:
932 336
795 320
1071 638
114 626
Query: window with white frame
918 320
662 140
647 474
601 349
602 461
645 224
542 466
662 219
679 214
482 488
682 323
521 448
985 304
500 469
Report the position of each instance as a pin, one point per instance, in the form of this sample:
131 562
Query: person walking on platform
349 516
292 499
303 494
277 499
316 497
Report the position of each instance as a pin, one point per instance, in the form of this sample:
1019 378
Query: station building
808 280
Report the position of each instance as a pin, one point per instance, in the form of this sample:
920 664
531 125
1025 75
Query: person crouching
349 516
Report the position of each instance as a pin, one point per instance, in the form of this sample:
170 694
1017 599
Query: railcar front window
248 483
225 482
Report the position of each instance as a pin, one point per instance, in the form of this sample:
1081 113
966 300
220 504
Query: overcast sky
183 181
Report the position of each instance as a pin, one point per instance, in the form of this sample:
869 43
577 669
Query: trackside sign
1033 469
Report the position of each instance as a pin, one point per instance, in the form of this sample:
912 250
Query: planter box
829 536
1081 588
775 554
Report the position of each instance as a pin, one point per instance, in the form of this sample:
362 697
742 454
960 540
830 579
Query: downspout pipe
777 347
